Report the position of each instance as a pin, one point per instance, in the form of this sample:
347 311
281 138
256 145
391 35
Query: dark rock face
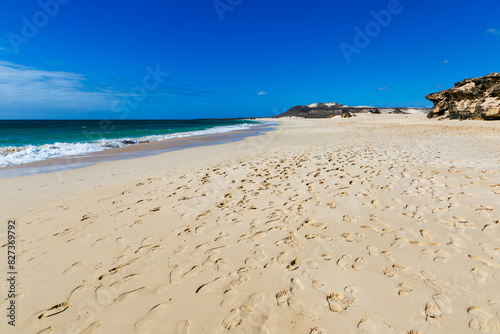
328 110
476 98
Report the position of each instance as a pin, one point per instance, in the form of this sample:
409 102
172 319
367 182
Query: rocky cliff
477 98
325 110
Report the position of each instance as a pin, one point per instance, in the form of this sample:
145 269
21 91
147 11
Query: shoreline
132 151
304 229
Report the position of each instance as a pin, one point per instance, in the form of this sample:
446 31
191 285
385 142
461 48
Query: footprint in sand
491 251
92 328
210 261
426 234
142 248
154 249
366 327
346 262
183 326
76 291
296 287
300 308
372 250
252 263
318 285
311 267
199 229
78 238
46 330
389 273
126 279
456 244
334 302
403 269
246 310
294 265
400 242
145 324
191 272
221 264
176 275
229 296
282 297
326 257
404 288
338 302
487 263
496 305
207 287
99 241
443 302
282 257
130 293
103 295
54 310
482 320
387 255
441 256
432 313
180 249
260 255
317 330
232 320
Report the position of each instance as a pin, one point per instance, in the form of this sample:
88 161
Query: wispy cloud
446 61
382 88
23 88
261 93
493 31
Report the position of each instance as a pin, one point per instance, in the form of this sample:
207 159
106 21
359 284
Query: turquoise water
34 140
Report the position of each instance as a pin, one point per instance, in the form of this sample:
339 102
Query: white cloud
492 31
25 89
446 61
383 88
261 93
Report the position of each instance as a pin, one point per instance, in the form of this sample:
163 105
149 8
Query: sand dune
375 224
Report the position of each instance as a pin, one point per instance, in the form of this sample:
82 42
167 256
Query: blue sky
235 58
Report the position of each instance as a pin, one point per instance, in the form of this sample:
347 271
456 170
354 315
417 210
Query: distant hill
325 110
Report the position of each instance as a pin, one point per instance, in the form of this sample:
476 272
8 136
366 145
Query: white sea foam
10 156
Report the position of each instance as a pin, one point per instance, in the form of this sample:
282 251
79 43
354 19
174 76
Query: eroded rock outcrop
476 98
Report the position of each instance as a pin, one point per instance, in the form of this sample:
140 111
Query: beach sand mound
371 224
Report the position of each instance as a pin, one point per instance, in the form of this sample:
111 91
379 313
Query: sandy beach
372 224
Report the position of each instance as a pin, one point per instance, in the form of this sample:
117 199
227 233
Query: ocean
24 141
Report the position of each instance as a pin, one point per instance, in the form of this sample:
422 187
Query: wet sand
132 151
